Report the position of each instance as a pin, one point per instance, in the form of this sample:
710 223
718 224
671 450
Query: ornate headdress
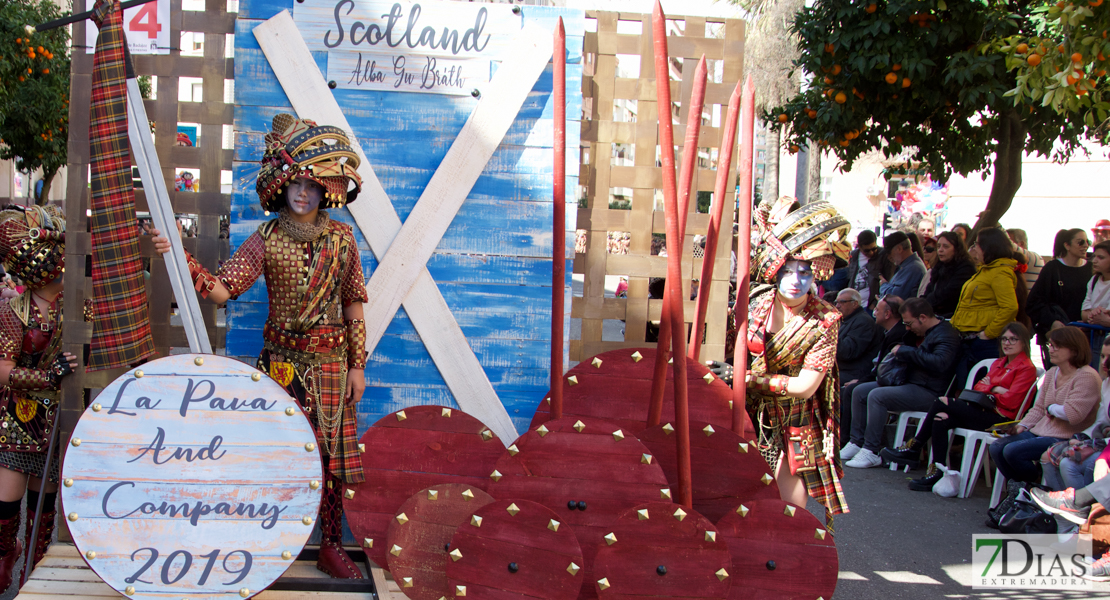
32 244
300 148
815 232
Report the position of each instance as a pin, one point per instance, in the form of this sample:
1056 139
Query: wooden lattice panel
208 158
610 134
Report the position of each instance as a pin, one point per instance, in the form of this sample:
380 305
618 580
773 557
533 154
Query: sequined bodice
288 264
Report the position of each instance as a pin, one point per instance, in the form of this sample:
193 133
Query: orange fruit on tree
895 96
784 118
1077 57
29 71
811 113
836 70
1060 49
1101 57
21 78
906 82
891 78
1033 60
1071 80
844 143
46 71
1101 73
794 149
1022 48
41 51
828 80
840 97
830 48
896 67
871 8
1095 2
898 139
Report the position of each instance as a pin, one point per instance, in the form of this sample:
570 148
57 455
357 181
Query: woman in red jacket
1008 380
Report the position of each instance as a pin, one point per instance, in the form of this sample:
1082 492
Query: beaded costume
807 340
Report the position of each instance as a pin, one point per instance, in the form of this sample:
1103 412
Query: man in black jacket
859 338
888 318
931 365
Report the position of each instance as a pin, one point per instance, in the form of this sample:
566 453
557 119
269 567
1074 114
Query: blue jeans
1071 474
1018 457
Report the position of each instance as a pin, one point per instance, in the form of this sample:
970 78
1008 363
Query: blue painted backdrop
493 266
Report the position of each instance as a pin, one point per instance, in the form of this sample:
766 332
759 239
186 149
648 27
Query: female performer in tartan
32 246
315 337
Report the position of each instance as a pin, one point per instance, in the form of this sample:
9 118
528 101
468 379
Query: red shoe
11 548
46 533
334 561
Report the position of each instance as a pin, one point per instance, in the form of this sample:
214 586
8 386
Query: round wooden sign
661 550
725 468
585 470
514 549
194 476
410 450
779 551
616 386
419 537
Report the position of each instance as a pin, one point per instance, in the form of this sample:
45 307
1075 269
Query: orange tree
926 80
34 88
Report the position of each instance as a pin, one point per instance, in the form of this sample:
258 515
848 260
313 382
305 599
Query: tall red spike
724 169
558 249
743 260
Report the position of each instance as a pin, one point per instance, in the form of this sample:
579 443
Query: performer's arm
236 276
356 352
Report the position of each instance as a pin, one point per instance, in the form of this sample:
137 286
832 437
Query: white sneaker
864 459
849 450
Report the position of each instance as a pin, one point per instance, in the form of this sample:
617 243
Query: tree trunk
771 165
813 173
1011 135
47 179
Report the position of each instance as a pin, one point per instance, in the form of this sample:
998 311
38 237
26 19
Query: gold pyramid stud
742 510
708 429
349 493
573 569
819 534
618 435
596 362
645 459
789 511
513 509
467 495
406 582
680 514
742 447
542 430
496 475
670 361
665 493
637 357
572 380
710 536
513 450
603 584
455 554
487 435
579 426
610 538
460 590
708 378
446 412
766 479
361 448
730 404
642 514
553 525
475 520
401 416
721 574
433 494
402 518
395 550
668 429
368 542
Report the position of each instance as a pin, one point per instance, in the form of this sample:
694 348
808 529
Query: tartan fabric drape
121 326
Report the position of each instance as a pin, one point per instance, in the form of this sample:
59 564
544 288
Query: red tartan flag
121 326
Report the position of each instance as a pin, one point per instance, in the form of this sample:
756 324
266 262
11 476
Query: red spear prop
558 250
743 259
724 166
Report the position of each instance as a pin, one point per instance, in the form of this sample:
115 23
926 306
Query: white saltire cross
403 251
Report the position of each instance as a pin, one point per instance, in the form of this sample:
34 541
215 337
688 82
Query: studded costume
802 431
312 272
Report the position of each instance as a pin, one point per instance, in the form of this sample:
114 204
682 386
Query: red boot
42 541
333 559
10 550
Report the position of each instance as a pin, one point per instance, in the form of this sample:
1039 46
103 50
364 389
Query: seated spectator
861 268
1066 404
1074 504
926 229
963 230
1072 464
889 319
1008 380
931 365
952 270
910 268
859 338
1096 302
1033 261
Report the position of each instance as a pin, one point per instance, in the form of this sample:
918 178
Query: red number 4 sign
146 20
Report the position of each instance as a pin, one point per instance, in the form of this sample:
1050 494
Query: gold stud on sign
256 376
96 407
290 411
286 555
198 361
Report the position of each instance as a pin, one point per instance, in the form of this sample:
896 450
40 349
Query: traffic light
888 221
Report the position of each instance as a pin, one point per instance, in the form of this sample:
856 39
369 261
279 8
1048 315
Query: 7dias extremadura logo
1031 562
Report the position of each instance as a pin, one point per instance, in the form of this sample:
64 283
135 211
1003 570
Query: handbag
801 449
983 399
892 372
1026 517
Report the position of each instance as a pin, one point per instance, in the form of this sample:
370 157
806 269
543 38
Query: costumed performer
314 337
32 247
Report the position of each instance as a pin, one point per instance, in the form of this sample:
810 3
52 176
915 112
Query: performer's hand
71 359
356 384
161 242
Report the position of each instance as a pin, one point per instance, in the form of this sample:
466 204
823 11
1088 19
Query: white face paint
795 279
303 197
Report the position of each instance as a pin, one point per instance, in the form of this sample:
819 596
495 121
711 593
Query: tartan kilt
346 462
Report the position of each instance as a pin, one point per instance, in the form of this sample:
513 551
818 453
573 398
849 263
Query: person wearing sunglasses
952 269
1057 297
865 265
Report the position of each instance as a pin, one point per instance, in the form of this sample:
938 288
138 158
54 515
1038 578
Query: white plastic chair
905 416
976 454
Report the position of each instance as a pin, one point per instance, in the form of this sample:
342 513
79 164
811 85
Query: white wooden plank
376 218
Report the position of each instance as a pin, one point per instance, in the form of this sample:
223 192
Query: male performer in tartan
315 337
32 247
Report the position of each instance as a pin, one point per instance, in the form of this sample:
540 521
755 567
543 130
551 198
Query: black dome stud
513 567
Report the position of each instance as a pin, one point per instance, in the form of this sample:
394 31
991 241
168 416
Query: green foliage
34 94
923 80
